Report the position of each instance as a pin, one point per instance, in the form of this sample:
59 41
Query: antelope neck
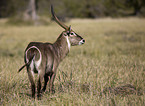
62 46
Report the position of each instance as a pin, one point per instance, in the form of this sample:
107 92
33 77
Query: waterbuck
44 58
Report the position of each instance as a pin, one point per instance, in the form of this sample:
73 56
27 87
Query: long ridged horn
57 20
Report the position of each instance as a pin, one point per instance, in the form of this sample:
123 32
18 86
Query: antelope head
73 37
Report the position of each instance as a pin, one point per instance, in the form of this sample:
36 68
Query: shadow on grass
123 90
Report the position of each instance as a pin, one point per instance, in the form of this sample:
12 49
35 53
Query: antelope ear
69 29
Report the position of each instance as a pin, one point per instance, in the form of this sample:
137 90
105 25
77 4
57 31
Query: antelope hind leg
31 78
39 84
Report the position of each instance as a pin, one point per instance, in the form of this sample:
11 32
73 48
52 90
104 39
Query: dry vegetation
113 56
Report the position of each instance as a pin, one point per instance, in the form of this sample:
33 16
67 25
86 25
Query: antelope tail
26 63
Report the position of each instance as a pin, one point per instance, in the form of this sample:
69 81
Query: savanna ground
113 55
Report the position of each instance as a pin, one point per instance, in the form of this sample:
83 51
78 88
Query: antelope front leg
51 85
45 83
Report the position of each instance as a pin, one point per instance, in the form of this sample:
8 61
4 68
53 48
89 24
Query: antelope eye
72 33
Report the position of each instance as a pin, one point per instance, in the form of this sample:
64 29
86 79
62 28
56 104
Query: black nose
83 41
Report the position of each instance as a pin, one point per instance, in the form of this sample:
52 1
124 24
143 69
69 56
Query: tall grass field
113 56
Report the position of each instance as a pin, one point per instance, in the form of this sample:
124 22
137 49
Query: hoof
39 97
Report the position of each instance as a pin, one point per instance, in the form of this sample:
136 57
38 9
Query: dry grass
113 56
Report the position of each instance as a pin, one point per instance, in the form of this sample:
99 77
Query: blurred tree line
72 8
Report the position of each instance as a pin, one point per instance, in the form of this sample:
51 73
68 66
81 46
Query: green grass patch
19 21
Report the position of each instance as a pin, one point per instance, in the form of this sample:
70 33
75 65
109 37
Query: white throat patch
68 42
